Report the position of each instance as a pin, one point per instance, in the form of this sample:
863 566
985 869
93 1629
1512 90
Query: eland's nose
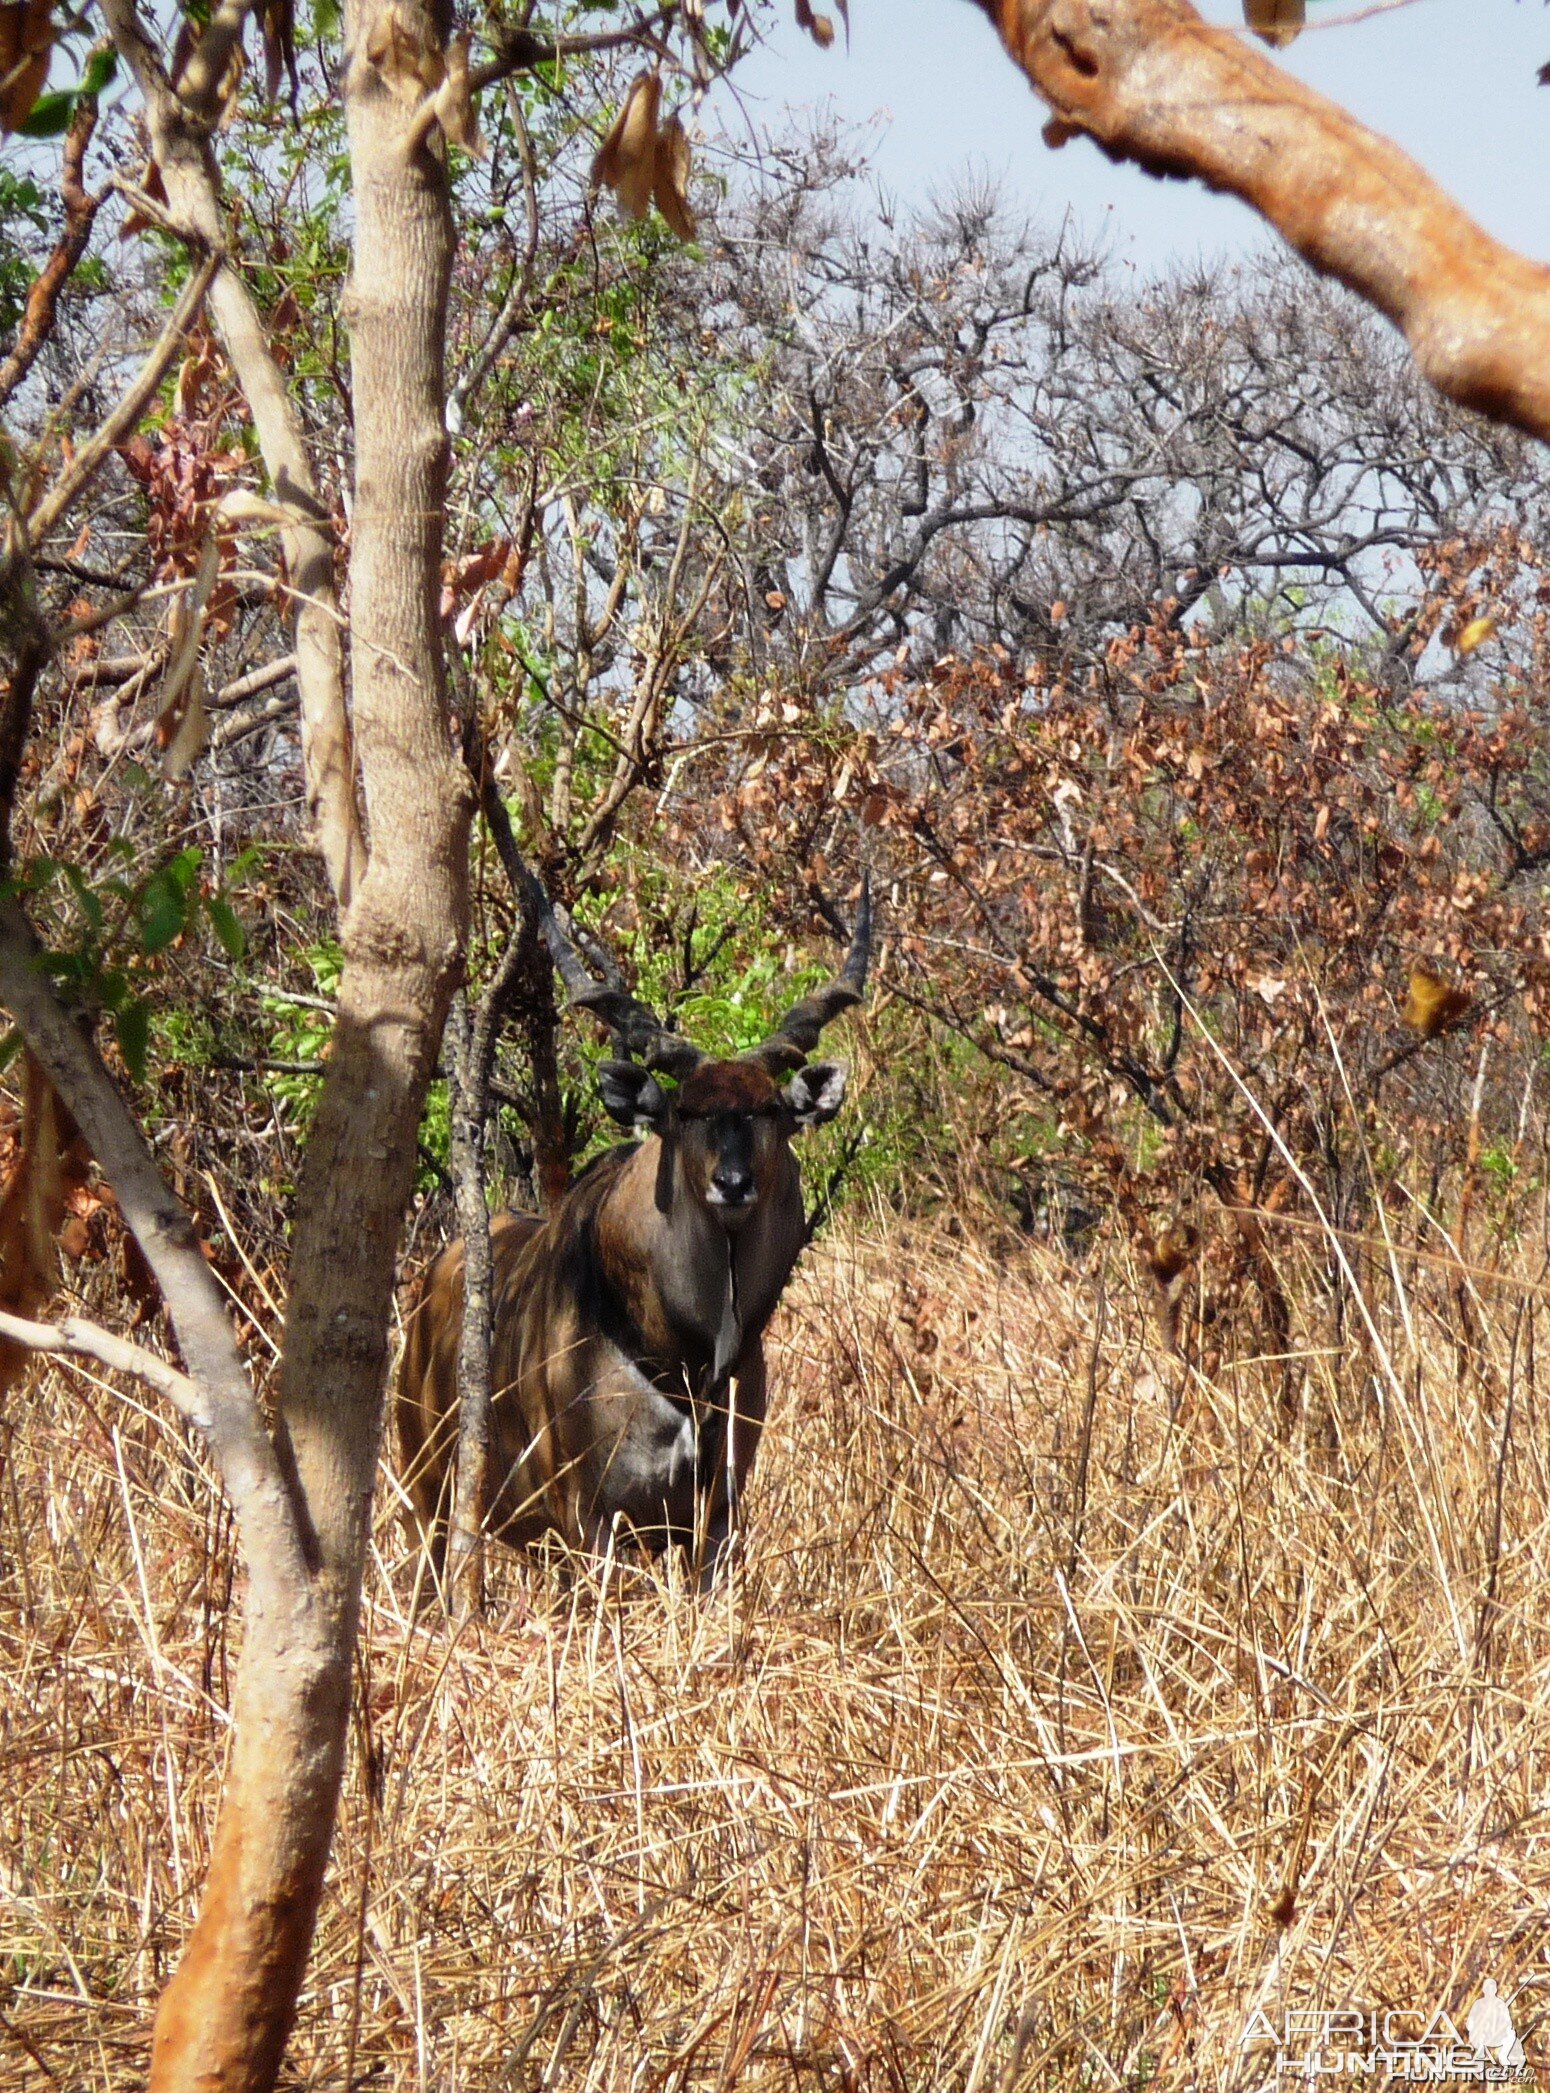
733 1187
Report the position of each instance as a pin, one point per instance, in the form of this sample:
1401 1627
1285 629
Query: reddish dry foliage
1194 899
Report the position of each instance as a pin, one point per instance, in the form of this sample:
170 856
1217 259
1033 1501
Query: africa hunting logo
1390 2045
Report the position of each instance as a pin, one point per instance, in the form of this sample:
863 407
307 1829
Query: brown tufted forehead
726 1086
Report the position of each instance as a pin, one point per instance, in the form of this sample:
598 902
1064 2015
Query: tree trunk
470 1107
225 2017
473 1037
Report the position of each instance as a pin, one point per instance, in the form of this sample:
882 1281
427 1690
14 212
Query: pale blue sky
1452 80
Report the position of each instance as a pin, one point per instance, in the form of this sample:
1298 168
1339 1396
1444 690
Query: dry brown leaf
671 186
463 583
195 372
51 1162
277 27
1433 1003
154 189
1276 22
627 162
818 27
26 48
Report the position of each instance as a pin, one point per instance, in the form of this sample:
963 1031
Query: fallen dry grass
1069 1706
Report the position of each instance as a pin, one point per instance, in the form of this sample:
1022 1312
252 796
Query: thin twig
94 453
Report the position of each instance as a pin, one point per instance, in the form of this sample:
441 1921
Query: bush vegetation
1138 1626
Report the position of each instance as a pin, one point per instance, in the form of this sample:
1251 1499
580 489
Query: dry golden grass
1057 1677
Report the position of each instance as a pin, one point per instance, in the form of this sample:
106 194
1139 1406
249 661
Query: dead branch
1153 83
248 1461
80 215
133 402
73 1334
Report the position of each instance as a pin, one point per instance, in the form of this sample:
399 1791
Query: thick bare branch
522 51
202 78
1153 83
193 194
86 1340
224 2019
248 1461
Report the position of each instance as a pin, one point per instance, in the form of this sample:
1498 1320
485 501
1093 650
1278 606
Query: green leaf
183 870
163 912
227 928
100 73
133 1025
112 989
91 907
51 114
10 1047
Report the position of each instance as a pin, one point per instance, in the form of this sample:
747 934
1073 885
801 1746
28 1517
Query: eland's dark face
729 1122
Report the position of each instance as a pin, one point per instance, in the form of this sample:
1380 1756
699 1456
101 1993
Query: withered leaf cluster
1239 921
644 159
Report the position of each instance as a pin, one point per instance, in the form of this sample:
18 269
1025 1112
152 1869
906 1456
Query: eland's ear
631 1093
815 1093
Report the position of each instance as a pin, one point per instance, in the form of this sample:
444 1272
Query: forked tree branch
228 1410
202 78
1155 84
179 137
522 51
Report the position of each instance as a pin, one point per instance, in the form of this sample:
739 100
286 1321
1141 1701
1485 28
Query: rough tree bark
1153 83
225 2017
